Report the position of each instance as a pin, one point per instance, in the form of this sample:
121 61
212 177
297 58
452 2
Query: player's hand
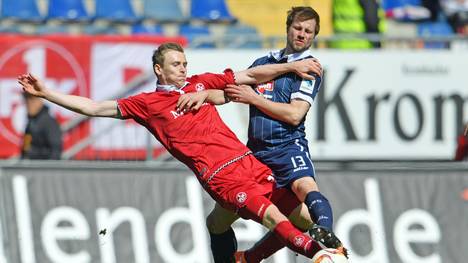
305 67
32 85
191 101
241 93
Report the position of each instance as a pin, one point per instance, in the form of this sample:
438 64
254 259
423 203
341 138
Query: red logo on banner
52 62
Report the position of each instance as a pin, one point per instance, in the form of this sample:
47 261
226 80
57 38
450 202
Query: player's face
300 35
174 69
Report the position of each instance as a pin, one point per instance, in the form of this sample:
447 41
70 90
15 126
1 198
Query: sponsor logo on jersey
261 88
177 114
241 197
199 86
307 86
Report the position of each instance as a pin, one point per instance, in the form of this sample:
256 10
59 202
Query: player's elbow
294 119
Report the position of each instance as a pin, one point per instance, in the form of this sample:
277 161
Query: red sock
264 248
295 240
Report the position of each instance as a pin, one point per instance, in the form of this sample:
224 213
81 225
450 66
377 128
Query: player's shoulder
261 61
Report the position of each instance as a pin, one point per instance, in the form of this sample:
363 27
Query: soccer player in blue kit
277 136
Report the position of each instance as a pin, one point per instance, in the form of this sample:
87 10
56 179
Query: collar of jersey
169 88
278 55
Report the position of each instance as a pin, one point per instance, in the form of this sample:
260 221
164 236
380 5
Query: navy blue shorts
288 163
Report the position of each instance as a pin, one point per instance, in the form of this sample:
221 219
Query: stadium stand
204 22
23 10
270 16
141 28
67 10
439 28
210 10
163 11
116 11
250 37
196 35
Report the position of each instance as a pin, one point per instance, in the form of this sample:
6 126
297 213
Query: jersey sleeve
133 107
217 81
306 90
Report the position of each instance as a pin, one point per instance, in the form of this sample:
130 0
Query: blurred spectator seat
6 29
210 10
115 11
95 29
435 29
197 36
68 10
24 10
242 36
140 28
162 10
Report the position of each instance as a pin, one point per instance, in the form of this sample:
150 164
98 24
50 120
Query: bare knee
302 186
211 223
220 220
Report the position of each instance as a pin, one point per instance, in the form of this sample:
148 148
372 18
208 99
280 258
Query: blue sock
319 209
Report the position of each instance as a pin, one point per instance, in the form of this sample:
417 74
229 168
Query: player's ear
157 69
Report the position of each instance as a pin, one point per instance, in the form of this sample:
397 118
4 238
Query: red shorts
243 181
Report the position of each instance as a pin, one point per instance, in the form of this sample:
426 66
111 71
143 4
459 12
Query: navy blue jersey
265 133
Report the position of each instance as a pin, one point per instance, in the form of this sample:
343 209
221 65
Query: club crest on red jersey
241 197
199 86
268 86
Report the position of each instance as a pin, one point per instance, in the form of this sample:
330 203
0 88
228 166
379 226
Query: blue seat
242 36
68 10
91 29
390 4
210 10
116 11
197 36
46 29
147 29
163 10
435 29
25 10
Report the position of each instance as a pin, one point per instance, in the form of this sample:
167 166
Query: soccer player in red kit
223 165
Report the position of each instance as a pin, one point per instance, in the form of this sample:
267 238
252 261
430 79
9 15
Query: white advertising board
372 105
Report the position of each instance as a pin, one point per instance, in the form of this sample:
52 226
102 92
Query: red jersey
199 139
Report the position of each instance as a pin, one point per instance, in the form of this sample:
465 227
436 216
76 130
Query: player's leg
319 209
318 205
260 209
270 244
223 240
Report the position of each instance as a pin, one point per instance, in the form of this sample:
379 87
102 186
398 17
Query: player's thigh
300 217
220 219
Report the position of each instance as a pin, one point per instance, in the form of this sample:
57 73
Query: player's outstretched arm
466 130
34 86
264 73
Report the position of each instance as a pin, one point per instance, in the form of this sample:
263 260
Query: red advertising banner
91 66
